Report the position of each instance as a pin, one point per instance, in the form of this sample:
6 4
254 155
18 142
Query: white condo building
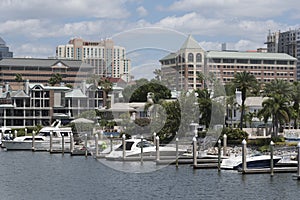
109 60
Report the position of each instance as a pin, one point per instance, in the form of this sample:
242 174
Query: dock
268 170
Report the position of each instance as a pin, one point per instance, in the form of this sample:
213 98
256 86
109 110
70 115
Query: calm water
39 175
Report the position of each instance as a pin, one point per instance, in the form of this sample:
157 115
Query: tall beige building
108 59
181 70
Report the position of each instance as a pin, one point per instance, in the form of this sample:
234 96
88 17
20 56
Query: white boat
133 149
25 143
253 161
42 140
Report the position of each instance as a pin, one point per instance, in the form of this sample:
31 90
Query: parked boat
42 140
253 161
133 149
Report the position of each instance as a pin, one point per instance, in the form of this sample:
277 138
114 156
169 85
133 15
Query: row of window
250 67
252 61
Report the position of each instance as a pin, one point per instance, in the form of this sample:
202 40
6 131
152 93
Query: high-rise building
108 59
285 42
4 50
182 70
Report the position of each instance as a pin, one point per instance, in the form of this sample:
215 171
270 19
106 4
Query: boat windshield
144 144
128 146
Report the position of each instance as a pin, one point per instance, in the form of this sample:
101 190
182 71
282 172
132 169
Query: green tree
19 78
55 79
244 81
278 108
106 87
295 97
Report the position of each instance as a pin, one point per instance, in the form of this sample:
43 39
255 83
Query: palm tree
295 97
106 86
158 74
278 108
244 81
278 86
18 78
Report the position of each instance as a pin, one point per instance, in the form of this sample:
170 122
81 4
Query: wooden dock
268 170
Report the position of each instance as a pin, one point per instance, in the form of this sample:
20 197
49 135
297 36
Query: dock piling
96 145
124 146
157 149
224 145
194 151
271 158
16 133
111 143
71 143
244 155
51 140
154 138
33 141
219 155
63 144
176 152
85 145
142 146
25 131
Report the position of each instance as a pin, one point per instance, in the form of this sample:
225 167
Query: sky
148 29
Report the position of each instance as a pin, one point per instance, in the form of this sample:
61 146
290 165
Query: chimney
6 86
27 86
83 87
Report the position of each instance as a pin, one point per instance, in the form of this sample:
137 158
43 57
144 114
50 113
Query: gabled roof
75 93
191 43
19 94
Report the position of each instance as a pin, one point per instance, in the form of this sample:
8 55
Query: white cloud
57 9
237 8
142 11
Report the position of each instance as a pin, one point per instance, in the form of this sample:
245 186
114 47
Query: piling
157 149
219 155
16 133
271 158
85 145
71 143
51 141
96 145
142 148
194 151
25 131
154 138
244 154
224 145
63 144
33 141
111 143
298 156
124 146
176 152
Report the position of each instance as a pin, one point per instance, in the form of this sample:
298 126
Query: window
190 57
198 57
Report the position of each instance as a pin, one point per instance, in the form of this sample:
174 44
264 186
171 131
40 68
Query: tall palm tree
295 97
278 108
106 86
244 81
18 78
278 86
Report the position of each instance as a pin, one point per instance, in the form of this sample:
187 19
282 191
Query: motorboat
26 143
133 149
253 161
41 140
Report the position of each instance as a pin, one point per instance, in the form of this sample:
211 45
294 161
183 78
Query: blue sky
148 29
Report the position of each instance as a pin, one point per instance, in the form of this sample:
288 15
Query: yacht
253 161
41 140
133 149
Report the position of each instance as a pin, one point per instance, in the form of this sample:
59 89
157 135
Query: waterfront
40 175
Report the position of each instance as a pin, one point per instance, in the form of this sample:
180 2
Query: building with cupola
181 69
